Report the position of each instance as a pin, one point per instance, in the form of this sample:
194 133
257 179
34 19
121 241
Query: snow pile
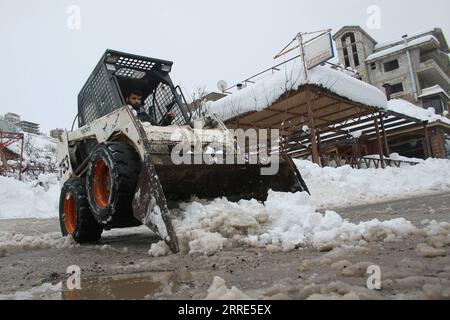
395 49
411 36
35 199
265 92
286 221
434 228
14 242
396 156
219 291
409 109
437 89
343 186
46 291
159 249
429 252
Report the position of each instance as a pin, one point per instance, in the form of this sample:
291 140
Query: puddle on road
136 286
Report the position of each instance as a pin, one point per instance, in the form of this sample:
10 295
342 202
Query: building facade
29 127
56 133
415 68
12 118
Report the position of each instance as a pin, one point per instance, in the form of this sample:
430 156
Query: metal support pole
302 55
380 145
410 67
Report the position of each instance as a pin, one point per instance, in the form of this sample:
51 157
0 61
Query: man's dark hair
135 92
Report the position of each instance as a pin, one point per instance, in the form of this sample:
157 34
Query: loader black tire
112 176
75 218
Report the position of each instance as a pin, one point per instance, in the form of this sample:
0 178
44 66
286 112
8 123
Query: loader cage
117 74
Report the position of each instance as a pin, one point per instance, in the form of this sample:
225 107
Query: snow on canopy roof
407 108
432 91
265 92
401 47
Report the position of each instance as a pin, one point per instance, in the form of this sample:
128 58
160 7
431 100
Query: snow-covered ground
344 186
34 199
329 187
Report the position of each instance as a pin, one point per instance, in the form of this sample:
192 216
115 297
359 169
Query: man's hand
170 115
168 119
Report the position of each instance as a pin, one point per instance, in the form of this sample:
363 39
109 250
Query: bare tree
197 102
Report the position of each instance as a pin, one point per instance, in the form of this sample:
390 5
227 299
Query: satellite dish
222 85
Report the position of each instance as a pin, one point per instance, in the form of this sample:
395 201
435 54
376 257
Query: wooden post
388 152
315 152
358 152
318 147
380 145
427 142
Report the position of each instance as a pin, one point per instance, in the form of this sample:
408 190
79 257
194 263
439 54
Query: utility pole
410 66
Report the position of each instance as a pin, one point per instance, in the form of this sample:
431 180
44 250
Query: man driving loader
134 99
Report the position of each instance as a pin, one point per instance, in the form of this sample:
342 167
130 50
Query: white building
415 67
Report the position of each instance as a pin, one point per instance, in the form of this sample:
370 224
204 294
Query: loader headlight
166 68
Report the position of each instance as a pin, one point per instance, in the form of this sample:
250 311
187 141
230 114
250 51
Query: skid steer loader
117 169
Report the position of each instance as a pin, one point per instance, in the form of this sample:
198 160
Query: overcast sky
44 63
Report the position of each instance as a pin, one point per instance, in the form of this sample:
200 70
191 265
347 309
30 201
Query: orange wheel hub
69 217
101 184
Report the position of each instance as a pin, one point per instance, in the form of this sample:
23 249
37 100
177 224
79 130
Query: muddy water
137 286
132 286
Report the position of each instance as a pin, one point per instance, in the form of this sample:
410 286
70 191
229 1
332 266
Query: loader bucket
164 185
234 181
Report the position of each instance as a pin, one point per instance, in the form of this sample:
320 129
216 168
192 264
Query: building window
391 65
346 59
436 103
355 55
396 88
373 66
353 48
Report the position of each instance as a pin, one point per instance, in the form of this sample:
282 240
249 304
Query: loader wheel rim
69 217
101 184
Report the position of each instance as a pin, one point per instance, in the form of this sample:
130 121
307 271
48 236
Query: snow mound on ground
159 249
14 242
285 221
46 291
219 291
339 187
35 199
434 228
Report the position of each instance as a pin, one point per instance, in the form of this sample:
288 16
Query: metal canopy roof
336 119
